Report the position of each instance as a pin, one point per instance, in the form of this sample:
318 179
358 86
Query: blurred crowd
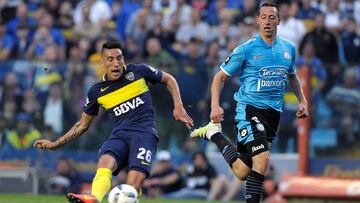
49 52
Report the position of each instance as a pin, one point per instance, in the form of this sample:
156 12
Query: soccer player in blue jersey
124 94
264 64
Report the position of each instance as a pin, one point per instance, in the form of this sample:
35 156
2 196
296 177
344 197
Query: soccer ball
123 194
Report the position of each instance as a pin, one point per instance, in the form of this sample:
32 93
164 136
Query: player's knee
260 162
135 179
107 161
241 175
240 169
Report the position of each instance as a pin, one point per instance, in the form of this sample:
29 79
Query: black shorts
255 128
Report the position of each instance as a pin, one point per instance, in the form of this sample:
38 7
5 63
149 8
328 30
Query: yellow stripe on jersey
125 93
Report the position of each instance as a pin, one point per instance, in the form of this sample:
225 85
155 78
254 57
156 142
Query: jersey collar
266 44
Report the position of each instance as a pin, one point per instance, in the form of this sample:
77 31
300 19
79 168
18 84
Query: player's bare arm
76 131
217 112
295 84
179 111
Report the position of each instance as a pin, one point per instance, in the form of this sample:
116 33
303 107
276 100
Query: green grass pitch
19 198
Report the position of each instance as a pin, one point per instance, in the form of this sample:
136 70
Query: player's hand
302 111
217 114
44 144
181 114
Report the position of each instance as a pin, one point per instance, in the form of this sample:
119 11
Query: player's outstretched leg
80 198
212 131
240 163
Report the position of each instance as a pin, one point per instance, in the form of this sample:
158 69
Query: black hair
268 4
22 26
193 40
111 45
202 154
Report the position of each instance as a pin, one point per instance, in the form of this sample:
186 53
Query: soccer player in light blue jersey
264 65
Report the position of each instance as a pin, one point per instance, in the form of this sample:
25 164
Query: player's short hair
111 45
268 4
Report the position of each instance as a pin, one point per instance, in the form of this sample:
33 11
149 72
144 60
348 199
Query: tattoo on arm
295 85
72 134
173 88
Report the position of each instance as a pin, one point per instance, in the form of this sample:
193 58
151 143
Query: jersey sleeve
91 105
151 74
292 69
234 62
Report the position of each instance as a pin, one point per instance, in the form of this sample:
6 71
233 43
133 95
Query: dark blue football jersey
127 100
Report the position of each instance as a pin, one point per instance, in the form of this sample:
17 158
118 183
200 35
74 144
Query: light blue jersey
262 70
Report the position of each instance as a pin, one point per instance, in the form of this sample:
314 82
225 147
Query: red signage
319 187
